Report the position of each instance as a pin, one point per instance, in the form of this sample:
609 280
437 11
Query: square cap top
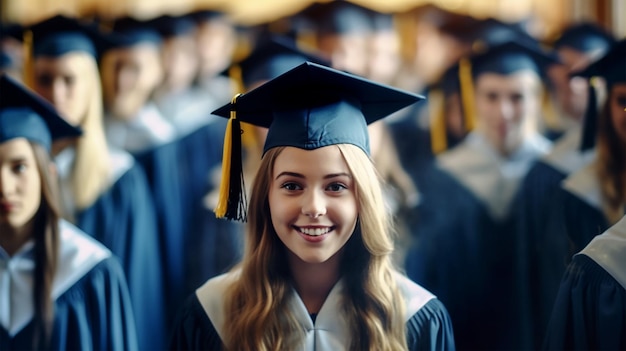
611 66
510 57
584 37
23 114
313 106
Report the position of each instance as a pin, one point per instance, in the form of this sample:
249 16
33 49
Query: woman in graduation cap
317 271
59 288
592 199
590 308
104 190
464 251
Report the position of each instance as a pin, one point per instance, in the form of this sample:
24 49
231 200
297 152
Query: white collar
566 156
146 130
609 251
78 254
329 331
493 179
584 185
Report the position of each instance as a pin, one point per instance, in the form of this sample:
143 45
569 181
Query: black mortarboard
510 57
172 26
129 31
271 58
23 114
59 35
585 37
612 68
491 32
308 107
337 17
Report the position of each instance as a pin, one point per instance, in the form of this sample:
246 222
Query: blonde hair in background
92 169
257 317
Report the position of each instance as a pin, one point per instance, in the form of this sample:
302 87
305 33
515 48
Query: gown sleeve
430 328
590 310
193 329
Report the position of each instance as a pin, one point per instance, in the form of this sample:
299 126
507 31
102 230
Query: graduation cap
129 31
491 32
59 35
271 58
23 114
612 68
308 107
172 26
585 37
337 17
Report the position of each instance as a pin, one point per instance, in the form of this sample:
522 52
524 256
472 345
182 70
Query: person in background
464 248
104 191
59 288
317 271
590 309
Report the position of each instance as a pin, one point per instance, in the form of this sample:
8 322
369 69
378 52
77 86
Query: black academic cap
11 30
308 107
60 35
23 114
337 17
129 31
510 57
491 32
585 37
273 57
612 68
205 15
172 26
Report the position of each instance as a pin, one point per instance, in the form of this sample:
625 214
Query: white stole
609 251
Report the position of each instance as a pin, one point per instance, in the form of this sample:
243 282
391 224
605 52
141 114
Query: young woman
104 190
317 271
59 288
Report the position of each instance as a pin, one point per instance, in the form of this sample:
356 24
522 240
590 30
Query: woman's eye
621 101
335 187
19 168
291 186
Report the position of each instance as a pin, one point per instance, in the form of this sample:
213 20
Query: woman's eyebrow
333 175
290 174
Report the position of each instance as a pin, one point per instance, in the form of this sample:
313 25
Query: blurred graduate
104 191
59 288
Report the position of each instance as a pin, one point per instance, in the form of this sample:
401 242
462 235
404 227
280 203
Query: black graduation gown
428 324
92 308
590 309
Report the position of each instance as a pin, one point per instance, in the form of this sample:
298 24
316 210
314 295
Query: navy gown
590 308
92 308
198 325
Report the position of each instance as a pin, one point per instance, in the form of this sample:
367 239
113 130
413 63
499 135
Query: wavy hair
257 317
610 166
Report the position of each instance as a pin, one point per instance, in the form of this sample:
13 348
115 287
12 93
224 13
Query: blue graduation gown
123 220
199 323
92 308
464 246
590 309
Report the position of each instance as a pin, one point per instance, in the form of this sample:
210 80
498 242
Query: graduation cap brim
612 65
16 96
311 83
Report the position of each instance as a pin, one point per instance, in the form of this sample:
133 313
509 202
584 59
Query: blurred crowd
514 162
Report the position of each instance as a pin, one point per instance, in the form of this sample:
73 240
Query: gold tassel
467 93
248 136
550 117
232 198
28 74
438 138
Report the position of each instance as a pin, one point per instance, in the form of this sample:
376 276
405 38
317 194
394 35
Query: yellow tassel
28 74
248 137
467 93
550 117
222 203
438 138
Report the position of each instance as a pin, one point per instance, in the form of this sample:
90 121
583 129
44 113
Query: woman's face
61 81
617 103
312 202
20 183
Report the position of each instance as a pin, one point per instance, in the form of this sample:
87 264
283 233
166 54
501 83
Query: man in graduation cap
105 191
464 249
59 288
320 273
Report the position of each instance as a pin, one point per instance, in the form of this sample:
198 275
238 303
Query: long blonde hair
92 168
611 166
257 317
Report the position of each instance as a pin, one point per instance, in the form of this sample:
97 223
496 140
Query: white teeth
315 231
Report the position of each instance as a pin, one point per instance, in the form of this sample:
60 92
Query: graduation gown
590 309
92 308
123 219
530 214
200 322
464 246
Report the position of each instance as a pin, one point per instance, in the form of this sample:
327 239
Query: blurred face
62 82
346 52
129 75
384 56
617 103
312 203
503 103
20 184
215 43
180 62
